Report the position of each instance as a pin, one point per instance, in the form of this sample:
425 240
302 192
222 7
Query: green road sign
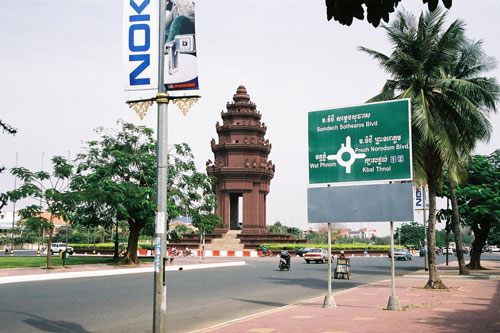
367 142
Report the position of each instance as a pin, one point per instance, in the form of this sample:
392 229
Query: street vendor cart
343 269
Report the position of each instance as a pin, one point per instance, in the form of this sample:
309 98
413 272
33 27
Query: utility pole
160 283
14 208
67 222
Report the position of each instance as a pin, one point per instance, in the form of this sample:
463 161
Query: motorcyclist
342 255
285 255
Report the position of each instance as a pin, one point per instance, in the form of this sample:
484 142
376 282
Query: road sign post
329 301
364 143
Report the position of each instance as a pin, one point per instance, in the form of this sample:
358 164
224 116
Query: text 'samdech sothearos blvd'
369 142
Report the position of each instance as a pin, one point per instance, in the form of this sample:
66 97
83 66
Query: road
195 298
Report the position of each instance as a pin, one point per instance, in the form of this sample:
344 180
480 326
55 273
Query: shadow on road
46 325
273 304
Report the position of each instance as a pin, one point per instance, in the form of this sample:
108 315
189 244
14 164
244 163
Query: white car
493 248
58 247
317 255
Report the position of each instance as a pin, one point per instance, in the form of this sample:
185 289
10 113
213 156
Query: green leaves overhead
344 11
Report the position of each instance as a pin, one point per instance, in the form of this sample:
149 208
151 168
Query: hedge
107 246
295 247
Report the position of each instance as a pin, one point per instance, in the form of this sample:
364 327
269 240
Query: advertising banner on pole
180 70
140 45
368 142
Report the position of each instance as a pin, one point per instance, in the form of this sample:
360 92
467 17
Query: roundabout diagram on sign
343 150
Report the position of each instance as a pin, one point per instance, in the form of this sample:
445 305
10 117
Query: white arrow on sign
346 149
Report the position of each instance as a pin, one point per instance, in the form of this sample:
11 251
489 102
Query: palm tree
484 92
446 103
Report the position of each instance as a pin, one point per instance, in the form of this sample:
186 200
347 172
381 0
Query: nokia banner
140 44
181 70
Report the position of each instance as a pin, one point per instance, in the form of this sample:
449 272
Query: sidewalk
13 275
472 304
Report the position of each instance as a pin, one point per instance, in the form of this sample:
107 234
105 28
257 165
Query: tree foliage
116 178
278 228
479 201
50 191
320 235
447 105
344 11
11 130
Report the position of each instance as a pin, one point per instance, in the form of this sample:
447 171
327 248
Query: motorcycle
284 262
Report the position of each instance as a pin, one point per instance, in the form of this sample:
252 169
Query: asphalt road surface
195 298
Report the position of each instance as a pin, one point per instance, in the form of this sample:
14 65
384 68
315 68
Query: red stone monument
241 167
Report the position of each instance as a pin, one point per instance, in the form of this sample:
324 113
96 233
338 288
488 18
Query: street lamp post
160 285
14 209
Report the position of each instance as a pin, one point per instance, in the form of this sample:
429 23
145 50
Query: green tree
11 130
48 190
411 234
424 54
277 228
344 11
202 203
297 233
382 240
116 179
466 70
479 201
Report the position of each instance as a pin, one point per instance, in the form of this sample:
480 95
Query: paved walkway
470 305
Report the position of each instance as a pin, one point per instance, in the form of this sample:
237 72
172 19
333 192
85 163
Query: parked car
493 248
400 253
300 252
57 247
448 250
317 255
422 251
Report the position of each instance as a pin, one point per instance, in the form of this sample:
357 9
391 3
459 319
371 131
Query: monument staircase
234 240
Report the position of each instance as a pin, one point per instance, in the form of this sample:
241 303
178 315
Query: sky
62 77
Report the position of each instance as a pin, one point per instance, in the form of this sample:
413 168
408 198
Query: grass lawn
19 262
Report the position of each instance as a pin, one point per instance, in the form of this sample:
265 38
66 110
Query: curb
109 272
471 277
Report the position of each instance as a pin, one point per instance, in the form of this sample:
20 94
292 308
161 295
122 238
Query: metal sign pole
160 285
329 302
393 303
425 231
